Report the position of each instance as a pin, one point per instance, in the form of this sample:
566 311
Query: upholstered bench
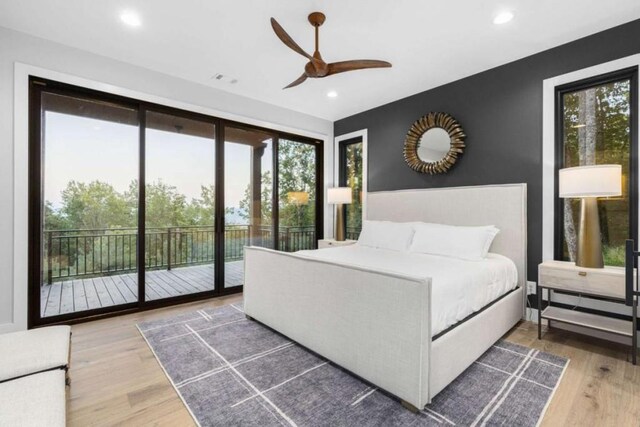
37 350
34 400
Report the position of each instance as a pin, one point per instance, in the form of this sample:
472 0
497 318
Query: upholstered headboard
504 206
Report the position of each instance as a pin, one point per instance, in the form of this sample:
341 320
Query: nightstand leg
634 337
539 292
549 295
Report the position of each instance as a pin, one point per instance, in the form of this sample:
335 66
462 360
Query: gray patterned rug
230 371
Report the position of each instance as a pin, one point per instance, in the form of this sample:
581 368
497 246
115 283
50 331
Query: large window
595 125
298 195
133 204
351 175
180 165
248 188
89 204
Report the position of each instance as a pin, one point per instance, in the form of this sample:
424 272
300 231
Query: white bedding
459 287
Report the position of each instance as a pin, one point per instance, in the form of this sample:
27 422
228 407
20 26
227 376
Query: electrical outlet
531 288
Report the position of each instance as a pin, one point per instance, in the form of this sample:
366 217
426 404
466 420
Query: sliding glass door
88 229
180 238
133 204
298 213
248 190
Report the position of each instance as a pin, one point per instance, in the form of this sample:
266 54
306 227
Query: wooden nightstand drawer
608 282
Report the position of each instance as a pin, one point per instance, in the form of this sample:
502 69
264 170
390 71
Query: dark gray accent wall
501 113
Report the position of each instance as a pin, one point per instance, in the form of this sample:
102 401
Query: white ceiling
429 43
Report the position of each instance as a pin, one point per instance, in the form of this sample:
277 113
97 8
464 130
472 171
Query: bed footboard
373 323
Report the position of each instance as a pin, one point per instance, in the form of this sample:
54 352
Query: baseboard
10 327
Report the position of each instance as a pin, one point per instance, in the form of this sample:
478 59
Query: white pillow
395 236
470 243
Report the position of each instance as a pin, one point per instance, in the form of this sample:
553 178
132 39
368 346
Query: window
595 125
133 204
298 193
351 175
89 199
248 217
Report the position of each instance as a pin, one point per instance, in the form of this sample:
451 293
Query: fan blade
286 39
296 82
358 64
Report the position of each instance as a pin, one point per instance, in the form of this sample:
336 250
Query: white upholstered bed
377 322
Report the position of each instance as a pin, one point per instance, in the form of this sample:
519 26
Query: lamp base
589 251
339 223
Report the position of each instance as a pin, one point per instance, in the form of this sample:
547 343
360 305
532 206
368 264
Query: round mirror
434 143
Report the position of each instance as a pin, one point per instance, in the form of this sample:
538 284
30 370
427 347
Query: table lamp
587 183
298 197
339 196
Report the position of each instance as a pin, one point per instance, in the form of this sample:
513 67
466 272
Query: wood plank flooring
80 294
116 379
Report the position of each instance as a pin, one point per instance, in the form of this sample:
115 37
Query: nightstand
603 283
331 243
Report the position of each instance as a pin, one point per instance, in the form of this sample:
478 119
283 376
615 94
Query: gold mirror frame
418 128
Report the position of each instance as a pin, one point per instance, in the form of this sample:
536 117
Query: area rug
232 371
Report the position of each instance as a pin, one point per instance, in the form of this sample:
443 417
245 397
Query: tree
353 177
297 173
95 205
53 219
165 207
597 131
266 201
201 211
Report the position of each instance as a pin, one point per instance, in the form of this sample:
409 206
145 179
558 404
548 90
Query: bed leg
248 317
67 378
409 406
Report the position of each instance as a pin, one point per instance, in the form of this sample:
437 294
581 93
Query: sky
85 149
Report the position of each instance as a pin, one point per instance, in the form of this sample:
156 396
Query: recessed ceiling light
332 94
503 18
130 18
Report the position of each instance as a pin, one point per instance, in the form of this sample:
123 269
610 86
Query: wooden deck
80 294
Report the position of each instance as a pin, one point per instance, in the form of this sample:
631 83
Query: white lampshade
339 195
590 181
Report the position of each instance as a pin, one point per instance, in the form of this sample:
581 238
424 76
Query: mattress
459 287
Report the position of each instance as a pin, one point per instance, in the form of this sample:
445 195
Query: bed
385 317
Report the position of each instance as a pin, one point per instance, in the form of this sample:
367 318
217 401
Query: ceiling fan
316 67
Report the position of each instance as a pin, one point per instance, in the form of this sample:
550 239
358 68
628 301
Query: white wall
74 65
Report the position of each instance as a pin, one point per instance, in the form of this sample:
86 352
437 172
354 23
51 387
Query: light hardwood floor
117 380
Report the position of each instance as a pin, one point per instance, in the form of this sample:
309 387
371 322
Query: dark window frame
630 74
38 86
342 167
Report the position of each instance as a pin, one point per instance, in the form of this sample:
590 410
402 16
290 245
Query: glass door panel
351 176
89 228
180 206
297 183
248 190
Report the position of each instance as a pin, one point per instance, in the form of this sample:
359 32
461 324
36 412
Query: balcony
96 268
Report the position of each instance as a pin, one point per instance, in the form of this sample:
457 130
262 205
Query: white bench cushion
36 350
35 400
